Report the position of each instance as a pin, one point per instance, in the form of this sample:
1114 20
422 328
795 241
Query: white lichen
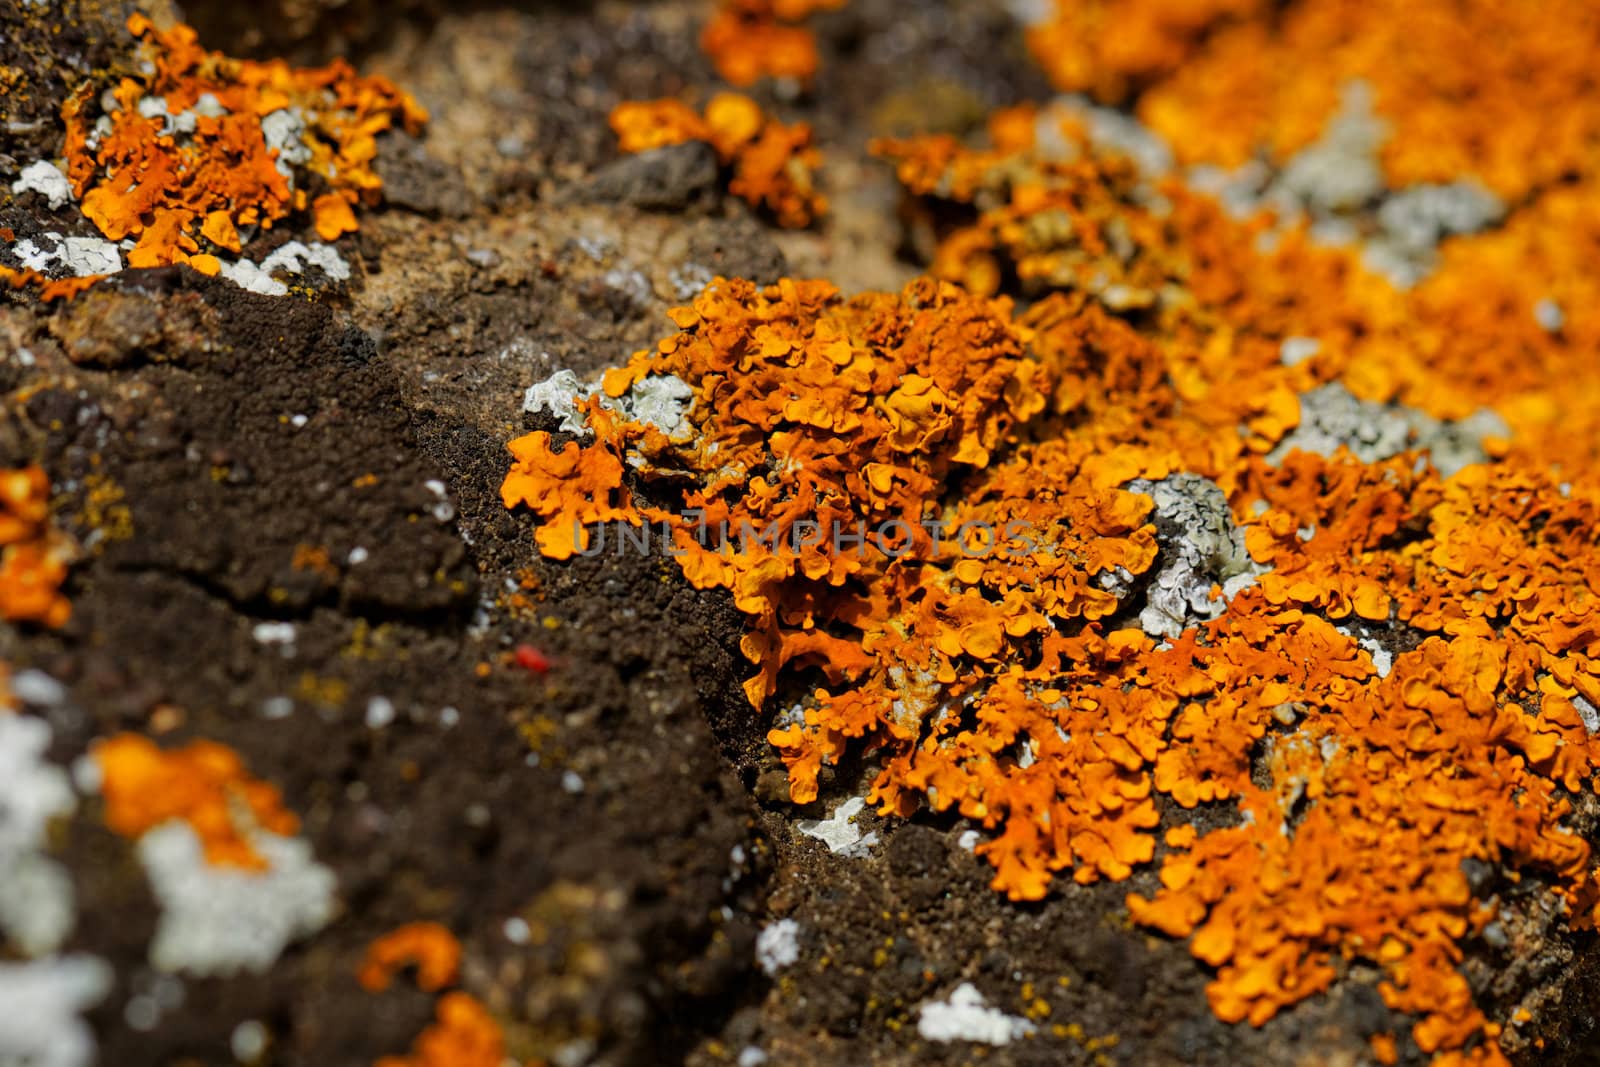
285 133
1413 221
246 275
966 1016
1339 172
220 921
295 256
631 285
1239 190
293 259
663 401
208 106
1418 217
690 280
840 832
1106 129
1200 548
1382 658
1031 12
46 179
778 946
1296 350
380 713
41 1022
1548 314
1586 712
37 903
38 688
558 396
80 257
273 633
1331 416
249 1041
32 790
1337 185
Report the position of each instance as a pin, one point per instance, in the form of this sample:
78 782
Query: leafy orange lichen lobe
463 1034
204 145
34 555
1408 680
428 946
748 40
204 784
770 165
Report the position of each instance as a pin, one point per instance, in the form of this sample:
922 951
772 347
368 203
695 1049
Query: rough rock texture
607 838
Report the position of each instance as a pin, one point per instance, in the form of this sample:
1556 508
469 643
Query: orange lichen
34 555
770 165
205 784
427 946
50 289
643 125
991 684
185 155
1355 850
1480 88
748 40
1112 47
463 1034
1410 683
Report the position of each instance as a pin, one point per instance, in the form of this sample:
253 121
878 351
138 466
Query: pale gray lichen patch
46 179
1331 416
36 902
558 395
1586 712
631 286
840 832
224 920
1031 12
38 688
1238 190
1296 350
1337 187
248 276
663 401
284 131
1107 129
43 1001
1201 548
1549 315
966 1016
1413 222
32 791
1382 656
293 258
80 257
689 280
778 946
1340 172
208 106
